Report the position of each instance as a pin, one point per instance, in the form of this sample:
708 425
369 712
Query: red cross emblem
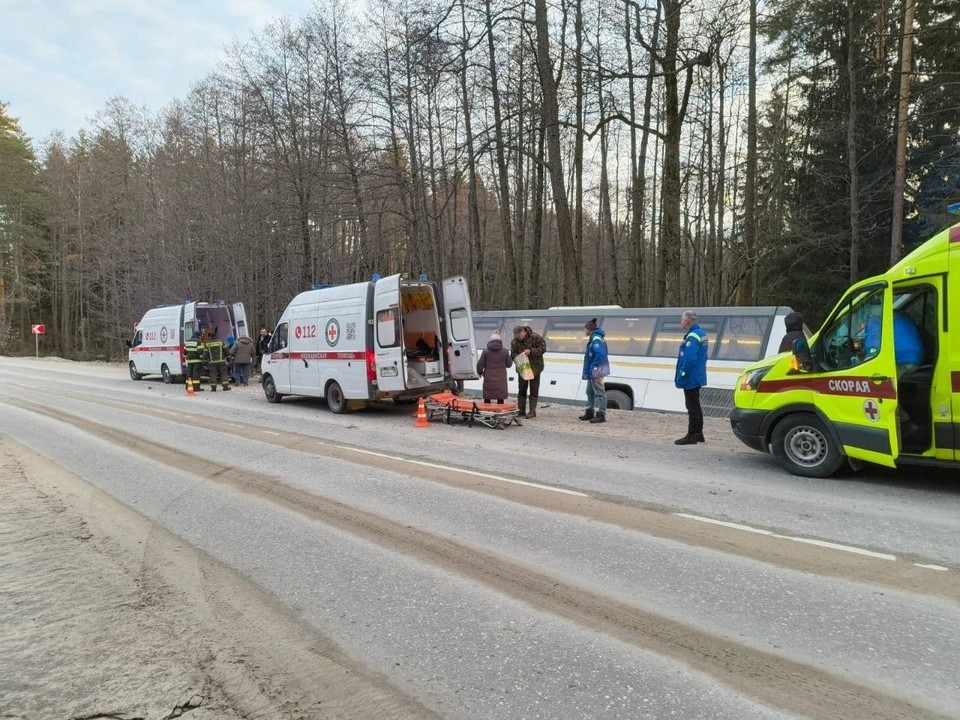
871 410
333 332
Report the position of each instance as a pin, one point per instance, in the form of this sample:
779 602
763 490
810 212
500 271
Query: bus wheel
270 390
618 400
133 372
804 447
165 373
335 399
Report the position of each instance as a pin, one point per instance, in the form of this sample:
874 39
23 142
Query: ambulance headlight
751 380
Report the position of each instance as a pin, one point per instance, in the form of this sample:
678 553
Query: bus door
855 383
458 322
387 336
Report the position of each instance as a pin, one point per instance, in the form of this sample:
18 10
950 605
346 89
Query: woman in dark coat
794 325
492 367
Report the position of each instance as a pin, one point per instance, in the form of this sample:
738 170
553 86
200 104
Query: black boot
533 408
686 440
599 418
699 437
522 406
588 415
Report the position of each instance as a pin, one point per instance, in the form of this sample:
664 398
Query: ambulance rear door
189 321
458 327
240 320
855 386
387 335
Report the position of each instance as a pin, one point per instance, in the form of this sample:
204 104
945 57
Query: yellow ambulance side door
855 386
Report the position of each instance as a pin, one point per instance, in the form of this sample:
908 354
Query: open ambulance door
856 386
186 331
388 335
240 321
460 342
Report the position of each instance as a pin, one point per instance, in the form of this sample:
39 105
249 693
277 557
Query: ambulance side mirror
129 343
803 356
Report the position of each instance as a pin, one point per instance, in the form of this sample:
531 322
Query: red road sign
38 329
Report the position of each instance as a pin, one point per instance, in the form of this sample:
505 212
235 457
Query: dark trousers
694 411
193 372
218 373
534 388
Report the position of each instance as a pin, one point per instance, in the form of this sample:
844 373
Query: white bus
643 345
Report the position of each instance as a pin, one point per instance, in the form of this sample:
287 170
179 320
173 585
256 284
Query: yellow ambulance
879 382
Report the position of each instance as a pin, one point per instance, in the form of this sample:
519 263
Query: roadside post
37 331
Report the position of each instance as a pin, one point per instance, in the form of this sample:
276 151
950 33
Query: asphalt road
558 570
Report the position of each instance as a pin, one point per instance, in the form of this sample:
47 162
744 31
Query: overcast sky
61 60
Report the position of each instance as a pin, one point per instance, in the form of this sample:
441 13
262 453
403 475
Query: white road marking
932 567
271 432
464 472
735 526
236 426
809 541
836 546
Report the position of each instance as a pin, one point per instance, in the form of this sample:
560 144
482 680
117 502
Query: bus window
483 327
536 324
669 336
628 336
565 335
742 338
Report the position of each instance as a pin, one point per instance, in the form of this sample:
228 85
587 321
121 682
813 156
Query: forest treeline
634 152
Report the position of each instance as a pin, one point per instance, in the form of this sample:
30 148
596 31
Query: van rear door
387 335
189 320
458 327
240 320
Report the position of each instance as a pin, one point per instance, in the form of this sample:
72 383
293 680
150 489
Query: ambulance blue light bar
376 276
954 209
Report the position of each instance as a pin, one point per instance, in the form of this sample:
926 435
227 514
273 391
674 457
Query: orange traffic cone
422 415
190 390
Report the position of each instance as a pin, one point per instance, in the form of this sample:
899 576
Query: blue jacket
692 360
595 361
907 345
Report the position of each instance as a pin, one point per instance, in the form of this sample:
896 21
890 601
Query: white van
386 338
157 344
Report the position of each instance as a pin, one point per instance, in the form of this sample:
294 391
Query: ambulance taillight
371 366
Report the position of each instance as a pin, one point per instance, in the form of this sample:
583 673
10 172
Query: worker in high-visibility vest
192 350
215 354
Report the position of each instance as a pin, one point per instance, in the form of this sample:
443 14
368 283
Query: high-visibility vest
191 351
216 354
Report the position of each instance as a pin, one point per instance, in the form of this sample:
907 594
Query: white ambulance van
157 344
386 338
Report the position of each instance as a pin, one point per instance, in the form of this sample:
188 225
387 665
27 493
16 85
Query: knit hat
495 335
591 325
518 329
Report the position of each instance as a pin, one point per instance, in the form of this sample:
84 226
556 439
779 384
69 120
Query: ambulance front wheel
134 375
270 390
802 444
165 374
335 399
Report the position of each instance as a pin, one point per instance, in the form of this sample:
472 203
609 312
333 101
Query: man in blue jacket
596 366
692 375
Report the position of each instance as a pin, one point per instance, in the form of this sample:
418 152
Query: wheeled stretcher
450 408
